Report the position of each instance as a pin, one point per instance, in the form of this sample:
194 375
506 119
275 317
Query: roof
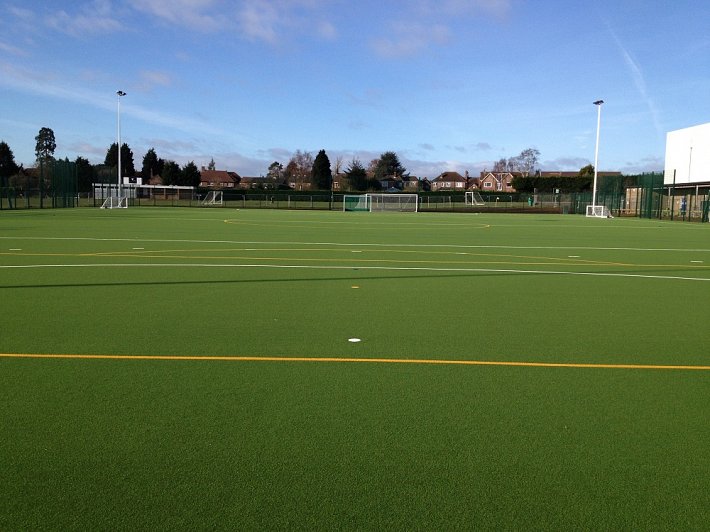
219 176
450 176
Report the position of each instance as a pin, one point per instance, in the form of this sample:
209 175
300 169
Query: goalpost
474 198
393 202
356 203
115 202
213 197
598 211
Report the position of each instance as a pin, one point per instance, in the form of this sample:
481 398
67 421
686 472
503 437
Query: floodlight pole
598 103
118 112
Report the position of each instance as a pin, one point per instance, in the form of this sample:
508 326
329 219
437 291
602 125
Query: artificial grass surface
156 444
211 444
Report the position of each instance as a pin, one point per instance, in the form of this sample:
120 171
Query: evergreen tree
388 165
321 173
46 144
152 165
127 166
8 167
85 174
190 175
171 173
357 175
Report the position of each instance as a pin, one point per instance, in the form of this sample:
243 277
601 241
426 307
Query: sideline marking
350 267
363 360
469 246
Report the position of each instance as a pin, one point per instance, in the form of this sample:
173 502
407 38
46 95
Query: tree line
302 167
171 173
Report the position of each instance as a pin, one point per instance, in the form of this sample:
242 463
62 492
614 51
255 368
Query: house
410 184
450 181
497 181
391 182
218 179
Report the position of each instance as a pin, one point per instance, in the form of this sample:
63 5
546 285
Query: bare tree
527 160
338 165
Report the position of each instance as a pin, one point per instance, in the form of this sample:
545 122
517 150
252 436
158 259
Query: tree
388 165
190 175
8 167
357 175
275 174
586 171
300 166
275 171
527 160
171 173
212 165
321 173
152 165
46 144
338 166
500 165
127 167
85 174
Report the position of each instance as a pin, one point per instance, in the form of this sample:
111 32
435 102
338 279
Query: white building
688 156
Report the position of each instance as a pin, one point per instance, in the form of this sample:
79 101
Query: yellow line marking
361 360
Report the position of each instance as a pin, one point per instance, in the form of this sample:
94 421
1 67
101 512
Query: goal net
393 202
598 211
115 202
356 203
213 197
474 198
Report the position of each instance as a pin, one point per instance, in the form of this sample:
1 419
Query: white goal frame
356 202
474 198
386 202
213 197
598 211
115 202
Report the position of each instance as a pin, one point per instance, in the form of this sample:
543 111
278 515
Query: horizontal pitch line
360 360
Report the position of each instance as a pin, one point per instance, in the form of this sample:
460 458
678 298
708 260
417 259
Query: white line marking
342 244
359 267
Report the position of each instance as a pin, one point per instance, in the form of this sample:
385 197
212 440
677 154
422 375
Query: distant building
218 179
688 156
449 181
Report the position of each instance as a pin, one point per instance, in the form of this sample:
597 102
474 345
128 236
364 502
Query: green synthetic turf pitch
201 437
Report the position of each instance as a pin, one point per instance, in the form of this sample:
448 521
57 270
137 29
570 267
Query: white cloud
409 40
496 8
200 15
153 78
45 84
22 14
93 18
259 21
14 50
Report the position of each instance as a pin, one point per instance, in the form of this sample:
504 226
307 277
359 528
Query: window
487 184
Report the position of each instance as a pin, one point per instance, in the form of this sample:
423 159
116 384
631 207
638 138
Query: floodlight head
120 93
599 102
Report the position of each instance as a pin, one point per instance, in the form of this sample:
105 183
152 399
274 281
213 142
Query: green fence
53 185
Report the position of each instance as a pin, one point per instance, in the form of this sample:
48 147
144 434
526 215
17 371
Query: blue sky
447 84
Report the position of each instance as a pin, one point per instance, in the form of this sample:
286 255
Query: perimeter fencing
644 195
52 185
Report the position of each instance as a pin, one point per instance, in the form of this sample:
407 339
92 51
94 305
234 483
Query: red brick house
497 181
219 179
449 181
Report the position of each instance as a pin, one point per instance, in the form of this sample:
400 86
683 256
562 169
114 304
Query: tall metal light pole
118 107
598 103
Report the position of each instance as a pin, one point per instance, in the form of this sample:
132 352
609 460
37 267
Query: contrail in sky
639 80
